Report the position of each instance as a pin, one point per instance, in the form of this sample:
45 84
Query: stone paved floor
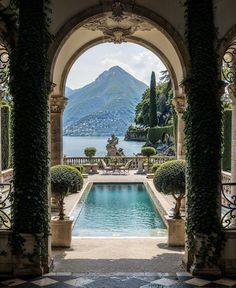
125 280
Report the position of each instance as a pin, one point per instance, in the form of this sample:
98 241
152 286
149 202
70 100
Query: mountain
104 106
68 91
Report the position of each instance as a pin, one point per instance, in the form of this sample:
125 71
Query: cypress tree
153 104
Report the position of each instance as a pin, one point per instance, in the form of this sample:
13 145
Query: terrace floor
118 262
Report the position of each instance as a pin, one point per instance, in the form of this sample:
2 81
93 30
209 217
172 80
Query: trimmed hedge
227 126
155 167
169 178
79 167
155 134
64 179
5 136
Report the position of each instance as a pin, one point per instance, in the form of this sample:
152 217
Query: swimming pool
117 209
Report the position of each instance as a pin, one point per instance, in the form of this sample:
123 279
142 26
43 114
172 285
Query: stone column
179 104
57 107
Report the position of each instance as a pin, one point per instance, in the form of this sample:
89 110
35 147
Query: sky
133 58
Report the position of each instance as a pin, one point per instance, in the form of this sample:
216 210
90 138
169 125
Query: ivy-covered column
29 89
203 139
57 105
179 105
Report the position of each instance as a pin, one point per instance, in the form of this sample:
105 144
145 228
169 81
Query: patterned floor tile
165 282
62 278
197 282
106 283
134 283
13 282
44 282
226 282
77 282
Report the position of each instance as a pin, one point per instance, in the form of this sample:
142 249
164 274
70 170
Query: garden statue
111 146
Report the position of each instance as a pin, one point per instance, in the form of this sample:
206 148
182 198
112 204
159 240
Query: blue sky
135 59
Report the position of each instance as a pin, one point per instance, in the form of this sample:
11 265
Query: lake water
74 146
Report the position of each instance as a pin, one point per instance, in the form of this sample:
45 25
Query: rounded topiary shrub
155 167
169 178
64 179
79 167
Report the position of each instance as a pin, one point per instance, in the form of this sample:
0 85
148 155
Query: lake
74 146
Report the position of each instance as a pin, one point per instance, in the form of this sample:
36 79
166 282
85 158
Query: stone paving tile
44 282
77 282
125 280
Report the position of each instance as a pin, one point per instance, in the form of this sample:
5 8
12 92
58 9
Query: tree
153 103
64 179
164 97
169 178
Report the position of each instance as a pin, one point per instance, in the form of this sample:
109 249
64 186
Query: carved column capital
232 92
179 102
58 103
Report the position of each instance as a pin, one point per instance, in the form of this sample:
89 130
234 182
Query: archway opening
110 95
99 29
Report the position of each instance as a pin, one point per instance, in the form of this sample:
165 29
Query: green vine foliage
30 124
203 135
5 133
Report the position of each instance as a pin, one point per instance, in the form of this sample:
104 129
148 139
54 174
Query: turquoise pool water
114 209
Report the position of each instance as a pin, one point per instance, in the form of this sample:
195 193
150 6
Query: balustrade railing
5 206
119 159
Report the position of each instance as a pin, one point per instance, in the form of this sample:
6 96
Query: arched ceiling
105 27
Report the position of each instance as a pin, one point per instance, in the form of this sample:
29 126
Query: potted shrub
90 168
90 152
148 151
64 179
169 178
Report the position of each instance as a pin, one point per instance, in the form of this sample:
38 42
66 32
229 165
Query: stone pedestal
176 232
179 104
57 106
61 232
91 168
140 165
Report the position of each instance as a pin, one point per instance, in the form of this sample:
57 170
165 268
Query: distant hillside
104 106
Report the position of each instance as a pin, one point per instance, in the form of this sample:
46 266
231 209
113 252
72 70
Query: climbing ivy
5 135
203 135
30 124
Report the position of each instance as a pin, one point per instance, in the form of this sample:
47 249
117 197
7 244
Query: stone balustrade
123 160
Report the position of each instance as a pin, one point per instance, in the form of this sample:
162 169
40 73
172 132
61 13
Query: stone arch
162 30
98 25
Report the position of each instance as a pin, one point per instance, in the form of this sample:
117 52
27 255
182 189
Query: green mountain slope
104 106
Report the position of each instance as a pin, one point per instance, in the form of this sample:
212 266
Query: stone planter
61 232
176 231
28 265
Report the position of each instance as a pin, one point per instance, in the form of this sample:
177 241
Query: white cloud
133 58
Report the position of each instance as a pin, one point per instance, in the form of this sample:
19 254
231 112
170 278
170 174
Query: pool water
115 209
